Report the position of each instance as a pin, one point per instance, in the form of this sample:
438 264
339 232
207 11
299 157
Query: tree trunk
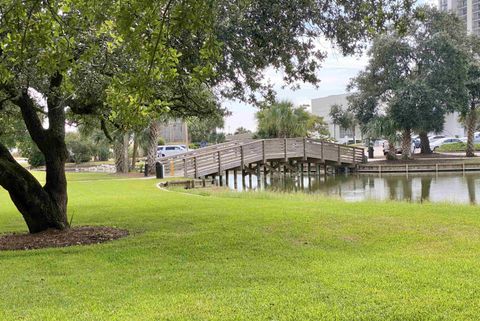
153 137
134 152
406 144
121 153
424 143
471 126
41 207
392 154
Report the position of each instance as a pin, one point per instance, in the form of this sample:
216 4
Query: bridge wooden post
304 149
195 166
235 179
309 169
258 175
250 169
242 165
354 156
285 157
227 179
263 152
322 152
220 177
185 172
264 174
318 170
339 154
301 175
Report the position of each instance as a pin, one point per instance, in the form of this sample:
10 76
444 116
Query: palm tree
383 127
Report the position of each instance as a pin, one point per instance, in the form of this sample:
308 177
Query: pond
461 188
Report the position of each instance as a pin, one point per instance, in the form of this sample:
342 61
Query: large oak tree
414 78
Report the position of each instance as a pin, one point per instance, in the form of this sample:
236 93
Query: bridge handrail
192 154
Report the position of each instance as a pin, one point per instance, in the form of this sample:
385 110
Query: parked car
476 138
435 137
170 150
443 141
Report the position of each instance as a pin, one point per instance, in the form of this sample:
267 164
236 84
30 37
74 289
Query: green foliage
80 150
241 130
415 77
456 147
205 129
29 150
342 117
282 119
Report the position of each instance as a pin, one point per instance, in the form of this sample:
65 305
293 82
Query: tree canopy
283 120
414 77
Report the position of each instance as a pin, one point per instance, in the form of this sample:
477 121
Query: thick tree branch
31 119
104 128
56 112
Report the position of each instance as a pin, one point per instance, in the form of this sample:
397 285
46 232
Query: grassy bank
225 256
456 147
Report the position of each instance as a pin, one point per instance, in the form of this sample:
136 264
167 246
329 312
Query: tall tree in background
415 77
343 118
470 115
126 63
283 120
241 130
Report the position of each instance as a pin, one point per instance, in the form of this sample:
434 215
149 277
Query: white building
467 10
321 107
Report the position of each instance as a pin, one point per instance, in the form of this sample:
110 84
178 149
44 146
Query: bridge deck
216 159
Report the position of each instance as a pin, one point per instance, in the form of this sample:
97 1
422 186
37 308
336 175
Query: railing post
322 151
263 151
185 172
354 155
304 149
339 154
285 149
172 168
195 167
220 177
242 160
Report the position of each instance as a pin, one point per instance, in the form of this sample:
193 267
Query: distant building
174 131
467 10
321 107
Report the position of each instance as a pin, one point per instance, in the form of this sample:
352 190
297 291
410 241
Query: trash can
370 152
159 170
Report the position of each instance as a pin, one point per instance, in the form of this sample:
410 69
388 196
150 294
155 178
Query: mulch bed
82 235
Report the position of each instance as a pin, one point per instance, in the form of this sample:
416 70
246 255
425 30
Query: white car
443 141
435 137
170 150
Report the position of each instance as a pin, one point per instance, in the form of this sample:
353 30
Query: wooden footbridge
262 156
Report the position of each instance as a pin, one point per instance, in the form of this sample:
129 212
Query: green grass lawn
456 147
232 256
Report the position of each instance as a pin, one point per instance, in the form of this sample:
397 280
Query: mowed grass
232 256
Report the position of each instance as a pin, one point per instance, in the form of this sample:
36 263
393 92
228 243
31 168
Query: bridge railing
217 158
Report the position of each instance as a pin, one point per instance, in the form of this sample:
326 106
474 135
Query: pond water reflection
443 187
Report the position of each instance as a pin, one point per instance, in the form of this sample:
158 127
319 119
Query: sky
335 74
